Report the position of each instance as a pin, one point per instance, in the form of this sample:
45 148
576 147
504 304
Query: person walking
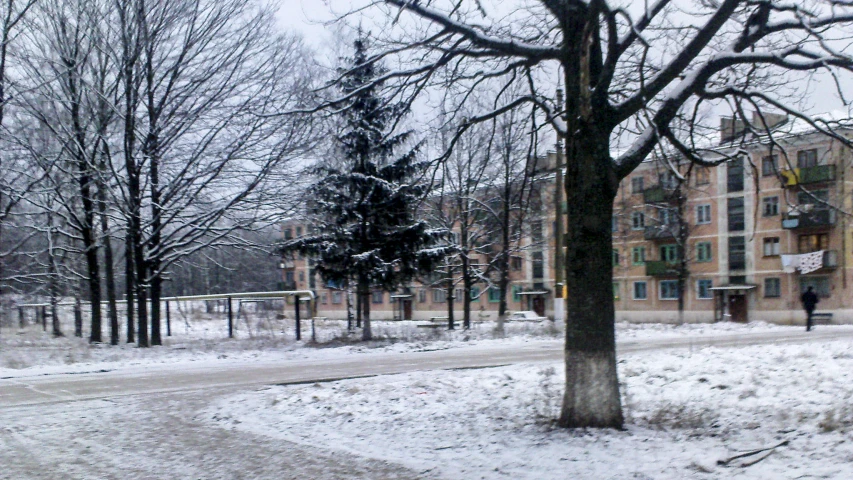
809 300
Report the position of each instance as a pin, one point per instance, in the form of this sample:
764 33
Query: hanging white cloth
790 263
810 262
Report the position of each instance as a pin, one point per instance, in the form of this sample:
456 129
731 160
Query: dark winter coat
809 300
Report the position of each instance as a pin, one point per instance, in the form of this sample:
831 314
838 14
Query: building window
703 289
638 255
337 298
736 215
615 257
807 158
615 290
770 206
422 294
771 246
288 234
515 263
378 297
538 261
812 242
458 295
703 252
669 253
737 253
820 284
536 234
494 294
769 165
735 175
301 276
298 232
703 175
640 292
324 299
439 295
638 220
703 214
288 278
668 216
475 294
668 180
614 224
772 288
637 185
818 198
516 293
669 289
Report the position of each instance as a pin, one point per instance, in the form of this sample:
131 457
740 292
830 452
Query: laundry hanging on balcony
804 262
790 263
810 262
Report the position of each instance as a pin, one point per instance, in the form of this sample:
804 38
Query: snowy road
142 422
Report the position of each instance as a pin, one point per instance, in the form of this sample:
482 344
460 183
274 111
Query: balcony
808 175
658 194
830 259
660 232
661 268
809 219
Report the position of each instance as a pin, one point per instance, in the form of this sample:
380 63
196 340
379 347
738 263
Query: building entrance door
539 306
407 309
737 308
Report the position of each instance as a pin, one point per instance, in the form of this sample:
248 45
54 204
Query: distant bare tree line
137 148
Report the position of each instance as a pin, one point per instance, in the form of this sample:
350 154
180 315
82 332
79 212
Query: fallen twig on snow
747 463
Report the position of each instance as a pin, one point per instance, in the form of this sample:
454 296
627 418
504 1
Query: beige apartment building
768 206
418 301
743 219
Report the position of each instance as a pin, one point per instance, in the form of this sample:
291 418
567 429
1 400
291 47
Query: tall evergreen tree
364 206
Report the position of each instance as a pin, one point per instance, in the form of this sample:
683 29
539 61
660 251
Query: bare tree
628 74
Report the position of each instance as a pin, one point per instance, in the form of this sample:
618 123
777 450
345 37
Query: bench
435 322
821 318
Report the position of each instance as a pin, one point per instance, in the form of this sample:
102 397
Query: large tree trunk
109 273
130 285
364 294
466 288
683 269
451 322
53 276
592 388
155 240
141 293
87 225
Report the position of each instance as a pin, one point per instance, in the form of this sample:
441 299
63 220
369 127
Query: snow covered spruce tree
364 206
630 70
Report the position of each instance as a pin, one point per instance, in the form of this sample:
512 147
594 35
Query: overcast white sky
307 17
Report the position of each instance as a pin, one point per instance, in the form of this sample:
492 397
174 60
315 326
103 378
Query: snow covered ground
689 413
687 410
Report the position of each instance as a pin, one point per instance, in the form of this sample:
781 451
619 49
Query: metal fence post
44 318
298 329
230 320
21 320
168 321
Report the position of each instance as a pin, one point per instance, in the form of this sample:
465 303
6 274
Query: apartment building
427 299
761 228
782 198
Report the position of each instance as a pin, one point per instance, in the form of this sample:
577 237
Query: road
143 422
